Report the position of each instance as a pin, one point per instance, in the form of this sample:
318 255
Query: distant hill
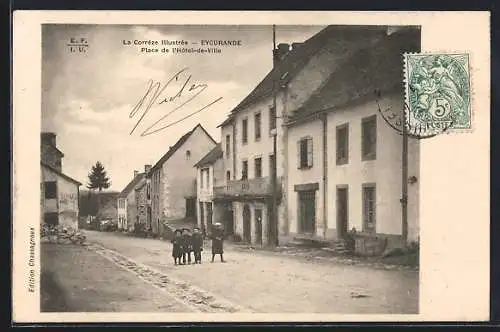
88 203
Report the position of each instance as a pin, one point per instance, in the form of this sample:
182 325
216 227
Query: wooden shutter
298 154
309 152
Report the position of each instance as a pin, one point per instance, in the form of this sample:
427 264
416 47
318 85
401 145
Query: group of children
186 242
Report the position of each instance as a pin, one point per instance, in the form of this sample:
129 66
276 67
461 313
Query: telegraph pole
274 207
404 181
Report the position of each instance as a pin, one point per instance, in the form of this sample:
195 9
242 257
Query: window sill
368 157
342 162
257 139
304 167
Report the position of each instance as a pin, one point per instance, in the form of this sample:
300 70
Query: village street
255 281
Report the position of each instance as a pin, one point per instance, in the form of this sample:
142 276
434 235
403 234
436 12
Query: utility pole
404 181
274 205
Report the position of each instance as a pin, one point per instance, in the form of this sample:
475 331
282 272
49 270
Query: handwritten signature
155 90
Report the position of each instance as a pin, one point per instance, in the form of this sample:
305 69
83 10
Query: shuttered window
257 124
244 131
369 206
244 170
369 138
305 152
342 139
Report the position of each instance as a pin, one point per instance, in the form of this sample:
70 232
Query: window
342 140
244 131
369 204
228 146
369 138
148 191
272 118
228 175
188 154
244 170
201 178
257 126
305 149
207 177
50 189
258 167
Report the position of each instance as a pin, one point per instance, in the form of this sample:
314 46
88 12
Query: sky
87 98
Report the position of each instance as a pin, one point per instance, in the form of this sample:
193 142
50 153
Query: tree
99 180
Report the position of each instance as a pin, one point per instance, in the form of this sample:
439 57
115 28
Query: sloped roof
210 157
131 185
376 68
287 68
177 145
61 174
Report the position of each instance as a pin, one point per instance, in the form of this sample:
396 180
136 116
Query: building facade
249 132
210 173
173 179
345 160
127 202
122 212
59 197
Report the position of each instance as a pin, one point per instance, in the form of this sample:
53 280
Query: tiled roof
210 157
287 68
61 174
131 185
377 68
177 145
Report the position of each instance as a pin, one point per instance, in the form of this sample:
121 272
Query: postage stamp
438 93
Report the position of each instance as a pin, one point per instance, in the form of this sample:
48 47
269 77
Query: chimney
136 173
295 45
147 168
281 50
49 138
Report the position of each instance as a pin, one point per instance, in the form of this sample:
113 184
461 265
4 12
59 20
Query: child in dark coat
217 242
177 246
197 245
187 246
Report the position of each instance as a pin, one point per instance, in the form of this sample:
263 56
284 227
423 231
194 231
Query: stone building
59 198
173 179
299 71
210 173
344 160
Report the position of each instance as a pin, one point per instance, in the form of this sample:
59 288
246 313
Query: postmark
438 93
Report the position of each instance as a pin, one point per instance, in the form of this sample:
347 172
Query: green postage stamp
438 93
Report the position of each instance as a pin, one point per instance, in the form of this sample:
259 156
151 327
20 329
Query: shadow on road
52 295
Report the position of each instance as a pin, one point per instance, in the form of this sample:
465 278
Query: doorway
246 223
258 226
209 215
342 212
307 212
228 219
190 207
51 218
202 218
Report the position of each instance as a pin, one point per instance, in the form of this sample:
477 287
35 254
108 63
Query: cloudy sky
87 97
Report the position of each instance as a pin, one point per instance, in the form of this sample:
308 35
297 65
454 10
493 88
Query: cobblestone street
258 281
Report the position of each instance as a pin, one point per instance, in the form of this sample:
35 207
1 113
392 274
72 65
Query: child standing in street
177 246
197 245
187 246
218 242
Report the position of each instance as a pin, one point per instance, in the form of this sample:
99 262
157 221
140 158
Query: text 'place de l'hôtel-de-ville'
306 155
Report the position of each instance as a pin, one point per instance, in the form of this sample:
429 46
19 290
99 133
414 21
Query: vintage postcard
250 166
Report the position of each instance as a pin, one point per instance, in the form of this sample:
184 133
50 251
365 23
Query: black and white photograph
197 161
251 168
